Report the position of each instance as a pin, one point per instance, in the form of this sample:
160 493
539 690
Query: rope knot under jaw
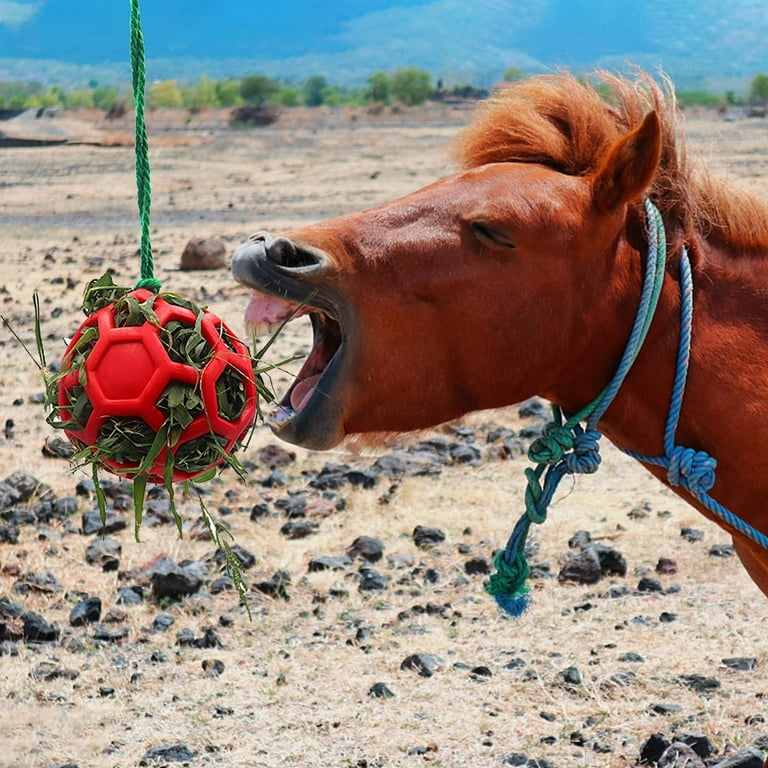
585 459
693 470
552 446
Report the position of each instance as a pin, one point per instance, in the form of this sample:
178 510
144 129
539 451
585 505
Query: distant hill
459 41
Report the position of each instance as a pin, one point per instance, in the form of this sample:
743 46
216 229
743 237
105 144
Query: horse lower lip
280 416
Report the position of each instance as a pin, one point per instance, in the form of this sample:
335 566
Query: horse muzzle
287 281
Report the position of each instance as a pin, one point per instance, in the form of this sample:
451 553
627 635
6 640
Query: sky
350 38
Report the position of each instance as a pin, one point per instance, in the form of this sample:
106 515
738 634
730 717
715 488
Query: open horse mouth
286 281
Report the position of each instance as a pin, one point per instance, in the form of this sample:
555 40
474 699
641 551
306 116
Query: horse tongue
302 391
269 310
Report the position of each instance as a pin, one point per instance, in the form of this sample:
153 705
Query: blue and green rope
569 448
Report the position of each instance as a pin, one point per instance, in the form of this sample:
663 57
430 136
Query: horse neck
723 410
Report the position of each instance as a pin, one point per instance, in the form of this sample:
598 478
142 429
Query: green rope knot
508 585
536 512
553 445
150 283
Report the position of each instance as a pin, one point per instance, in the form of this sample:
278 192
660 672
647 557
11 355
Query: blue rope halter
568 448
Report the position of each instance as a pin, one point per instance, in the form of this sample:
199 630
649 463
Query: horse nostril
282 252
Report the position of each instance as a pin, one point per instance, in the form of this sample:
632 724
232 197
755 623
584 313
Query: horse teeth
261 329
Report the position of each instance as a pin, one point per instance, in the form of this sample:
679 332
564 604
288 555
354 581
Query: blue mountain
347 40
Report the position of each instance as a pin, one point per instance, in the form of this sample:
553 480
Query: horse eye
490 237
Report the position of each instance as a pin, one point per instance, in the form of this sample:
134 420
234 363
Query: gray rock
425 536
700 683
27 485
299 529
654 748
680 755
691 534
612 562
107 634
63 765
380 691
699 742
276 586
477 565
101 549
204 253
514 758
91 522
36 629
130 595
163 622
584 568
9 534
329 563
747 757
571 676
58 448
371 580
49 671
8 496
426 664
647 584
213 667
174 753
176 580
366 548
10 609
742 663
533 408
87 611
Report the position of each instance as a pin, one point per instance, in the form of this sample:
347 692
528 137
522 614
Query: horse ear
630 165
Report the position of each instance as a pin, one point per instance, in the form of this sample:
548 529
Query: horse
520 274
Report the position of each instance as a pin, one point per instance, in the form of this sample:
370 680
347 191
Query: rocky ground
371 642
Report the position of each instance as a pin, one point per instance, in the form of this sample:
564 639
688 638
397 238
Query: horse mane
569 125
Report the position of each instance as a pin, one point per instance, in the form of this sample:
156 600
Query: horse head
471 293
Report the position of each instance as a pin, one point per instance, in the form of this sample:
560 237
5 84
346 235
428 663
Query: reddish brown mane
566 124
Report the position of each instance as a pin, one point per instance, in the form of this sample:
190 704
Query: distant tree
80 99
53 97
289 96
315 90
19 100
411 86
228 93
165 94
513 73
759 89
697 99
201 94
104 98
379 87
256 89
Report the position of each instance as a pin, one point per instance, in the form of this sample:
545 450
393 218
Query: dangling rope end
150 283
508 584
514 605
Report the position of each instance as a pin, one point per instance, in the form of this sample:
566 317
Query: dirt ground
295 684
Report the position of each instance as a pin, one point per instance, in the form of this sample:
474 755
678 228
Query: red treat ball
150 365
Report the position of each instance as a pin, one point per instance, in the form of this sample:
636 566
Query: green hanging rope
143 186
